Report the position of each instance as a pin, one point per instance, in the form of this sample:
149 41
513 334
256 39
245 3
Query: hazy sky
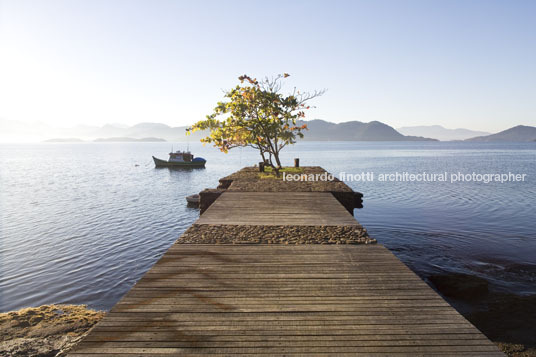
455 63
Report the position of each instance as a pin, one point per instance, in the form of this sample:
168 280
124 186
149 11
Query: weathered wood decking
308 300
277 208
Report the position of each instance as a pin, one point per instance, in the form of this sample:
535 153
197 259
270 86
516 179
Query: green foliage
256 114
288 169
270 173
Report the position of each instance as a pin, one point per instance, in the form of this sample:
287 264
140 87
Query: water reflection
81 223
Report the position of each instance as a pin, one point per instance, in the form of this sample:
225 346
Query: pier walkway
277 208
277 299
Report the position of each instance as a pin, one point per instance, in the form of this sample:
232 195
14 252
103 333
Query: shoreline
47 330
507 319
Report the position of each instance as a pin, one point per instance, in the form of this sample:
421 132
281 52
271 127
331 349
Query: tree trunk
276 156
270 159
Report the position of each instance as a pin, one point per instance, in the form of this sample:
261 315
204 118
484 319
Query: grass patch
269 172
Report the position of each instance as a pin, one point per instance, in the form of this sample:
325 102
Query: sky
467 63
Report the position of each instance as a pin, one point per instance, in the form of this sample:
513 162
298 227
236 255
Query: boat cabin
180 156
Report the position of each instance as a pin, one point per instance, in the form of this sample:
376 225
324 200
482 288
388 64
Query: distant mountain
64 140
320 130
520 133
144 130
16 131
85 131
128 140
157 130
440 133
108 131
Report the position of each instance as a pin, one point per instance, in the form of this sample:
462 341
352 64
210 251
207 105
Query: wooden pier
277 208
277 299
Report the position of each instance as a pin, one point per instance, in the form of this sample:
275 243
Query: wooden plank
404 335
277 208
242 316
309 354
313 354
174 300
365 329
208 293
102 348
268 299
288 344
206 334
271 260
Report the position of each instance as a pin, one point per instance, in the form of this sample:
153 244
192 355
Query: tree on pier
257 115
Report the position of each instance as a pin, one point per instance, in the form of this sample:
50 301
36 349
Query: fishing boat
180 159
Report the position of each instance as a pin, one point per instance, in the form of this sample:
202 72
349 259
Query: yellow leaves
245 77
254 114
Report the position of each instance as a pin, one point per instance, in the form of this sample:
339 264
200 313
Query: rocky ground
45 331
233 234
249 179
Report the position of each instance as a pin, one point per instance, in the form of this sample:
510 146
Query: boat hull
162 163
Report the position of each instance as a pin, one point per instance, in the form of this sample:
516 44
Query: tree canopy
258 115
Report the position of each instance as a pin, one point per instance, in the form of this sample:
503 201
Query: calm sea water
81 223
